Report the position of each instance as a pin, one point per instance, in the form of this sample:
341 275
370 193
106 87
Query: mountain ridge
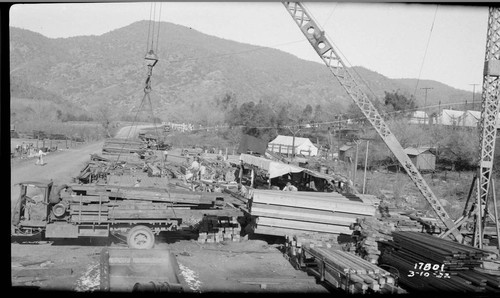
194 70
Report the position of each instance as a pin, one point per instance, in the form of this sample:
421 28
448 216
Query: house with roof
287 145
419 117
422 157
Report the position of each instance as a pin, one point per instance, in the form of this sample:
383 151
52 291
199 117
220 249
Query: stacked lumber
280 213
120 146
427 263
98 204
348 272
215 229
145 181
368 231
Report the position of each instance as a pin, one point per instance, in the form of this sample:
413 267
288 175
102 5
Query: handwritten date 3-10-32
428 269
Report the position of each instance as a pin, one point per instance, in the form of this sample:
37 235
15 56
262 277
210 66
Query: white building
419 117
283 144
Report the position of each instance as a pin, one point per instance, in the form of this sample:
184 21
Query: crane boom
490 106
333 61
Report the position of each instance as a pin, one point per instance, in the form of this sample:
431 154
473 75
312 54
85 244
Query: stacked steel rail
429 264
339 269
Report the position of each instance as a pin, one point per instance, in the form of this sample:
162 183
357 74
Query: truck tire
140 237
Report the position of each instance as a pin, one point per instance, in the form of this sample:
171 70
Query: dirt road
60 166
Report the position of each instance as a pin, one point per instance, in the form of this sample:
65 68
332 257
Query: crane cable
152 59
425 52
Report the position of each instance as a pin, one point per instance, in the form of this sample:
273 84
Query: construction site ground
73 265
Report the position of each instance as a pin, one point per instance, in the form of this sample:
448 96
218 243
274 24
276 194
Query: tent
283 144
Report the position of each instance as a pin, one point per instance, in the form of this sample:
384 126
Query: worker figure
30 203
289 187
195 168
165 153
202 171
40 157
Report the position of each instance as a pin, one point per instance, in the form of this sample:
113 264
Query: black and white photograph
337 148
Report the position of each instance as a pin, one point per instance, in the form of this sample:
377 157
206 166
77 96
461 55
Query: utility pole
473 93
293 141
425 102
340 127
366 162
355 162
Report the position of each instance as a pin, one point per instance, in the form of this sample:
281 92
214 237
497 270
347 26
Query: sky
445 43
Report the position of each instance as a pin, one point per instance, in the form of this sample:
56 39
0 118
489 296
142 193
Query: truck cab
32 210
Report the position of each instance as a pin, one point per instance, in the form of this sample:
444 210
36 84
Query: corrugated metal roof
416 151
345 148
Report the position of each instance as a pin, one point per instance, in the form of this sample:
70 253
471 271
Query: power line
313 124
426 48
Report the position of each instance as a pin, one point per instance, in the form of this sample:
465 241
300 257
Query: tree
104 115
399 103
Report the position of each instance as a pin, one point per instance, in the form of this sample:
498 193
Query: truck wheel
140 237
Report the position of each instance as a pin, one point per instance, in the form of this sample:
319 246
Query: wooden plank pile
215 229
281 213
145 180
368 231
98 204
123 146
430 264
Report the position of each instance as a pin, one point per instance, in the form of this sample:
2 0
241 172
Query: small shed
423 158
346 153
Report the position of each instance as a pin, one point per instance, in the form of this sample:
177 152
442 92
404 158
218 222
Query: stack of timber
215 229
123 146
287 213
145 180
103 203
368 231
429 264
345 271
